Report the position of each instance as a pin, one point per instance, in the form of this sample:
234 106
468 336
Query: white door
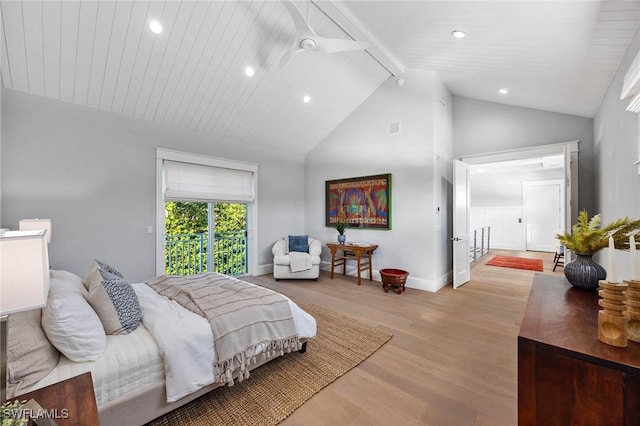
513 229
544 213
461 259
571 191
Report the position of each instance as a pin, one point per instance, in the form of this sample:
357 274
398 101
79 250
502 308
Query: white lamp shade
36 224
24 271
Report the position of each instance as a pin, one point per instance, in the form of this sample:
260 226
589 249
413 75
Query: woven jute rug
277 388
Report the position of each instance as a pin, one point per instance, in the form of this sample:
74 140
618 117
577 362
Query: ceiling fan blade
302 26
287 57
335 45
307 39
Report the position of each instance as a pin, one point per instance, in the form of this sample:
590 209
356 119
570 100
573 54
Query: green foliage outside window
187 240
186 218
230 217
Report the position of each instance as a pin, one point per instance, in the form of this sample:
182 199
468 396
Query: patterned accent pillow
108 268
115 302
299 243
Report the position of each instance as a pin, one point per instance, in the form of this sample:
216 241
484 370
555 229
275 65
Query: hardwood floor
452 359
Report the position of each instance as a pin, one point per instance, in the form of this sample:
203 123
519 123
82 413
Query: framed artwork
360 202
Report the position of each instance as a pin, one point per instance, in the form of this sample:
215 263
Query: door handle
456 239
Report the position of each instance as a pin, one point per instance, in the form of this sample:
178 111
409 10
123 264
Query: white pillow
66 279
69 322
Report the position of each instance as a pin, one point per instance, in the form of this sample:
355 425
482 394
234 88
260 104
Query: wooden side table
358 252
71 402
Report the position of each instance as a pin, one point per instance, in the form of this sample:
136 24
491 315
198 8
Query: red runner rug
516 262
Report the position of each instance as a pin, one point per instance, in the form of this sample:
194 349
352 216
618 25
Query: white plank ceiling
101 54
552 55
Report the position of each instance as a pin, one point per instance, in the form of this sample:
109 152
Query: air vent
394 127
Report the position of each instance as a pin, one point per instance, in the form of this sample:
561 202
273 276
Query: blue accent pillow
299 243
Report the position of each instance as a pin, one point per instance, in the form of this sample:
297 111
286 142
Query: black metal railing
479 241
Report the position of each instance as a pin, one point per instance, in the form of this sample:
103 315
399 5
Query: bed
138 373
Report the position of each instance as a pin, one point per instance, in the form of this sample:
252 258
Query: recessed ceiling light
155 27
458 33
249 71
306 99
504 91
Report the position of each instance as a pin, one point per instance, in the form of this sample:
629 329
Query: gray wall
94 174
1 132
485 127
419 160
617 184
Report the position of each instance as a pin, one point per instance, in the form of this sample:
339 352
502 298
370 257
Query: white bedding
130 362
186 341
172 343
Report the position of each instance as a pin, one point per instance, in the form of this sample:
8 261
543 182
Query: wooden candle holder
632 313
612 323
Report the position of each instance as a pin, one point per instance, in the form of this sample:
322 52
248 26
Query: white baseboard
507 247
417 283
264 269
427 284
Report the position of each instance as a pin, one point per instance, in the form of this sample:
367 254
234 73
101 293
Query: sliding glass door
201 237
206 214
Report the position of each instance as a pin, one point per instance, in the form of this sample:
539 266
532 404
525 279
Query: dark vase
584 273
342 238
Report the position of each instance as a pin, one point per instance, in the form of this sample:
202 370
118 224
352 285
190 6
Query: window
186 178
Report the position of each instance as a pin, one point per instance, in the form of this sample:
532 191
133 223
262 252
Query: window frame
203 160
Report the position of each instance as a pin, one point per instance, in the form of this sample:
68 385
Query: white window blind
195 182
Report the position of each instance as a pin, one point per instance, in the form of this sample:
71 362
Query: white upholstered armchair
296 265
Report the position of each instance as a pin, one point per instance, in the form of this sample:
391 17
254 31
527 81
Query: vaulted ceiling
553 55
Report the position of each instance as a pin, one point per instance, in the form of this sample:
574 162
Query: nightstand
71 402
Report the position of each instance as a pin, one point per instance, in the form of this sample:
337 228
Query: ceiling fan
307 39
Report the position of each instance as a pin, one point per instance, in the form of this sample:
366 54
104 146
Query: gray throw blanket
242 317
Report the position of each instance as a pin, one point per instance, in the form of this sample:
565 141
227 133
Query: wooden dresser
566 376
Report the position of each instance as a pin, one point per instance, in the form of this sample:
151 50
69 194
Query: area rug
516 262
277 388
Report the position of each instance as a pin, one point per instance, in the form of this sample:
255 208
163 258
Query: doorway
211 183
501 206
520 201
